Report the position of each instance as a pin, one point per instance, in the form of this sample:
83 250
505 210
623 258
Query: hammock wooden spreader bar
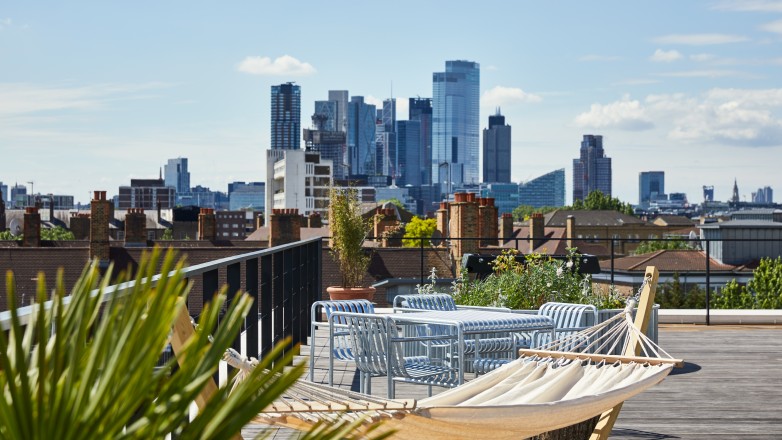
601 357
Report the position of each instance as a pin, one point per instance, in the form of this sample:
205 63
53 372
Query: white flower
569 264
548 284
560 271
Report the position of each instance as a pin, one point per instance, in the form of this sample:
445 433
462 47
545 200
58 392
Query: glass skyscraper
420 109
592 170
286 117
651 185
361 136
177 175
455 124
546 190
496 150
408 150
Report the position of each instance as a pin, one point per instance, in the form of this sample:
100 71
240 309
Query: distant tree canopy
522 212
393 201
763 291
57 233
419 228
596 200
653 246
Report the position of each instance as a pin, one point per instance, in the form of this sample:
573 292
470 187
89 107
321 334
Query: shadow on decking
688 367
634 433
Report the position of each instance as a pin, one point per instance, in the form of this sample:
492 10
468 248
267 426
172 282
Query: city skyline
88 102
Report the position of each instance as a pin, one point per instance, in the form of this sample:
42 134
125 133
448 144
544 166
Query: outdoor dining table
474 323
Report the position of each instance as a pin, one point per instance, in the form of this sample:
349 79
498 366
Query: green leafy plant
57 233
7 235
596 200
348 231
654 246
84 368
419 232
763 291
168 234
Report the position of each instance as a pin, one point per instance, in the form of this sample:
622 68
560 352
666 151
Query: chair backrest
433 301
570 316
342 344
369 340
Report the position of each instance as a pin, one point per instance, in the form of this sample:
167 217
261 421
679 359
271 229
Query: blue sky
94 93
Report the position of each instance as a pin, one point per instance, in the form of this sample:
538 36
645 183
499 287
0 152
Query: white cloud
491 68
625 114
499 96
750 5
593 57
24 98
774 26
700 39
637 82
371 100
734 117
662 56
285 65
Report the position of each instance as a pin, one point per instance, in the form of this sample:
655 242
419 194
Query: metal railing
283 282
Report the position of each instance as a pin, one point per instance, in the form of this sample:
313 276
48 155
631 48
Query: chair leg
369 384
430 390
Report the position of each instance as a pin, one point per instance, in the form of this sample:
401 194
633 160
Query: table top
480 320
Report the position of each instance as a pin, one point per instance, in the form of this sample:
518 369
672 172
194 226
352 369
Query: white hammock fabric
528 396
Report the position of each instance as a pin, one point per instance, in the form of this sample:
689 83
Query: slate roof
591 218
668 261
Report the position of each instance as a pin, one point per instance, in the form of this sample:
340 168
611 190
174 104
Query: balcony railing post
708 284
613 257
421 242
267 304
297 295
234 279
278 297
251 322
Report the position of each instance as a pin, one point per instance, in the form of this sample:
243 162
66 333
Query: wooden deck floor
731 387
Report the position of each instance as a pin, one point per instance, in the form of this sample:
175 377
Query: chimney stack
570 230
284 226
207 224
385 218
315 221
31 235
506 228
135 228
100 214
537 231
80 226
487 221
442 220
463 224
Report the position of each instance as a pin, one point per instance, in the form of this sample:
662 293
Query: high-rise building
420 109
341 98
506 195
250 196
329 143
408 149
763 195
361 136
177 175
327 115
298 179
19 196
286 117
708 193
592 170
5 197
146 194
496 150
455 124
651 185
546 190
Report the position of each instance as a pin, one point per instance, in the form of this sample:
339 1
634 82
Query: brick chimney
284 226
100 214
2 212
506 227
463 224
207 224
31 234
384 218
80 226
315 220
570 230
487 221
135 227
442 220
259 221
536 231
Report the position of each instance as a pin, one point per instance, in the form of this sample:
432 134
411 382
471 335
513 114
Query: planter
345 293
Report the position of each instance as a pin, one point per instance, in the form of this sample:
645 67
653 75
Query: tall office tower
328 142
651 185
361 136
408 150
177 175
763 195
496 150
385 139
546 190
5 197
420 109
286 117
455 124
341 98
591 171
327 109
19 196
708 193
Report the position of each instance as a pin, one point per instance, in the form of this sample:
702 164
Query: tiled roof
673 220
743 224
668 261
591 218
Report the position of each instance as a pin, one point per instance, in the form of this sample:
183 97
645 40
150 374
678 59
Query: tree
654 246
596 200
394 201
168 234
57 233
766 284
419 228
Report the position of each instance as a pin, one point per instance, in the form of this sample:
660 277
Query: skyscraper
420 109
286 117
385 138
455 123
408 150
592 170
324 139
341 98
327 114
546 190
763 195
177 175
651 185
496 150
361 136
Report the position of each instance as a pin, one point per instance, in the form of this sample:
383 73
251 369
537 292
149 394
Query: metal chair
379 350
568 318
339 342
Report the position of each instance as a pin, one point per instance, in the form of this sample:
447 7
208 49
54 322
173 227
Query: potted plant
348 230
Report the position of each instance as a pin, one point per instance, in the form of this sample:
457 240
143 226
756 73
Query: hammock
564 382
